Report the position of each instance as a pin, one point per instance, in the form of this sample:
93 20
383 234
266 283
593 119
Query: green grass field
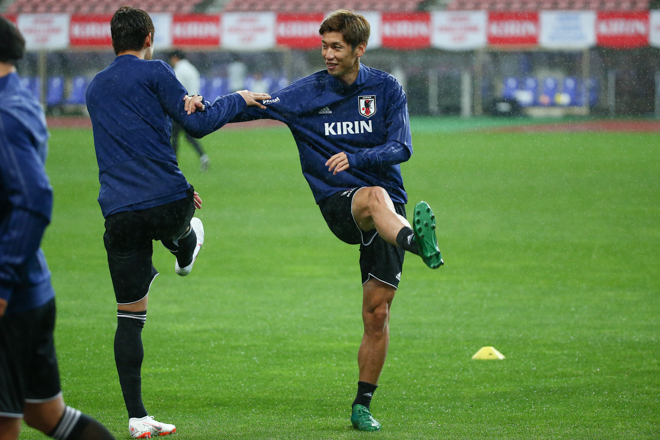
551 248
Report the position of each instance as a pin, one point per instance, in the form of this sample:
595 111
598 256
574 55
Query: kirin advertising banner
90 31
513 28
196 30
410 30
622 30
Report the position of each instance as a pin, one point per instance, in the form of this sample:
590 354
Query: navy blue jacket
367 120
132 103
26 198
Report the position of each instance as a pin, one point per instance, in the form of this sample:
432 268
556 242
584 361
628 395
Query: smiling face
341 60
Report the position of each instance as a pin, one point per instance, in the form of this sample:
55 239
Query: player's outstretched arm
194 103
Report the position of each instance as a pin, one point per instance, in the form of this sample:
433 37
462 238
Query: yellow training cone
488 353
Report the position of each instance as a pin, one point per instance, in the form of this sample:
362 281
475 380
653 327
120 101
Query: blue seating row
572 91
55 89
216 86
210 87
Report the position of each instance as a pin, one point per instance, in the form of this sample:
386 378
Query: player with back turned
350 123
29 376
144 196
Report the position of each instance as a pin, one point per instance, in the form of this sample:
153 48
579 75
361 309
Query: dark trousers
176 131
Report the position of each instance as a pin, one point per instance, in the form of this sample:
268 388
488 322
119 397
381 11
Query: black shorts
28 364
378 258
129 240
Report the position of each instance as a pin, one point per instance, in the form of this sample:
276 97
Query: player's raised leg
373 208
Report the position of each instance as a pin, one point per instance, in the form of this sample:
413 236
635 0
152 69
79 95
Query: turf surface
551 249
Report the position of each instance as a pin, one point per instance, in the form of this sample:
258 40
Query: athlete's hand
3 307
194 103
252 99
198 201
337 163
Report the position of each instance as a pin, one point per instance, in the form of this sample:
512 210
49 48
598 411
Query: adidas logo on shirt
325 111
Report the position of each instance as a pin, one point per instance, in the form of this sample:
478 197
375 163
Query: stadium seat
549 91
78 89
55 91
572 92
33 83
528 95
281 83
509 87
203 87
217 87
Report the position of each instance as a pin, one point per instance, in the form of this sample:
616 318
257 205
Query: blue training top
367 120
26 198
132 103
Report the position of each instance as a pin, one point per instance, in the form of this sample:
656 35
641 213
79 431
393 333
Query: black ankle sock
406 240
129 354
75 425
365 393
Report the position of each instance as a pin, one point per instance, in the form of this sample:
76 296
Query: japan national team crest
367 105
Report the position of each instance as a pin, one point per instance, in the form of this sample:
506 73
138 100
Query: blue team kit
26 198
367 120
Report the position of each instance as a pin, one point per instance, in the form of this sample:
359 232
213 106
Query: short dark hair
178 53
354 27
12 43
129 27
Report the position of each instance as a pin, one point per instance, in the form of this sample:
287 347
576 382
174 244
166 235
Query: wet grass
551 243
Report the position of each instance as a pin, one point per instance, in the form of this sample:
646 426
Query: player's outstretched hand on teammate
252 98
194 103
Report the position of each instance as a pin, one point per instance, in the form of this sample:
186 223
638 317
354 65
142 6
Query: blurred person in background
259 83
236 71
29 376
188 76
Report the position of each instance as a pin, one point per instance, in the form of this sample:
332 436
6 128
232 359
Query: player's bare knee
44 416
376 320
377 197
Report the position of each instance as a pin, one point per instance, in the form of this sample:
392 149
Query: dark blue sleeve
398 146
199 124
25 186
276 108
251 114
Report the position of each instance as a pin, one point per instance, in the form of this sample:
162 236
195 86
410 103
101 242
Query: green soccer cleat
362 419
424 228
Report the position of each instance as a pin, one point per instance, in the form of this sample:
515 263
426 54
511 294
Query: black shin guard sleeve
129 354
75 425
187 247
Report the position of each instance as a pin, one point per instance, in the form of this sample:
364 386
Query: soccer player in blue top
144 196
351 125
29 377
